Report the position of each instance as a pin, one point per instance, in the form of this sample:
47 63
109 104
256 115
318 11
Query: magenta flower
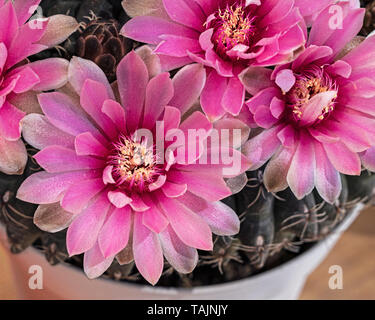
226 36
19 80
117 196
318 113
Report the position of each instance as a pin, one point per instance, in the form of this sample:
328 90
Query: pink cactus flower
20 80
318 112
226 36
116 196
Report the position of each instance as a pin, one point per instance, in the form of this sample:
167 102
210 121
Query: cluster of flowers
312 117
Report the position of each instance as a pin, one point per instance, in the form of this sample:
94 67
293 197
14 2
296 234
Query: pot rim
230 284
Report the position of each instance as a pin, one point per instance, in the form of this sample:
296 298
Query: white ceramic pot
67 282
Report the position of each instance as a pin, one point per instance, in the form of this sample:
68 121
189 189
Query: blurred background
354 253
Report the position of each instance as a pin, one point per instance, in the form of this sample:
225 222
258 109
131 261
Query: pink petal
55 159
185 13
52 73
25 77
93 95
154 219
78 195
84 230
87 145
344 160
149 29
190 228
171 119
114 235
107 175
94 264
177 46
182 257
210 187
234 96
138 204
148 255
10 118
45 188
132 78
327 178
212 95
302 168
63 113
188 84
8 23
158 93
116 113
40 133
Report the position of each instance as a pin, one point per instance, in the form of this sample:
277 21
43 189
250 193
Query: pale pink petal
81 69
13 156
368 159
181 257
275 174
63 113
84 231
114 235
285 79
107 175
119 199
222 220
174 190
148 255
40 133
302 168
327 178
94 264
262 147
256 79
238 132
59 28
52 73
344 160
52 217
190 228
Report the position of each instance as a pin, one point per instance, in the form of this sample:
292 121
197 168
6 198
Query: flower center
232 26
306 88
134 164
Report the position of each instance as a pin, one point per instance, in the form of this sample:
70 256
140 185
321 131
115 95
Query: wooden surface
354 253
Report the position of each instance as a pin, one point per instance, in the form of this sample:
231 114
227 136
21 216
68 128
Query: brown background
354 253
